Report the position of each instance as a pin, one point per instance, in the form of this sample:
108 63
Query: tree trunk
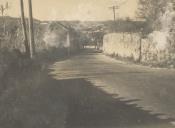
26 43
31 30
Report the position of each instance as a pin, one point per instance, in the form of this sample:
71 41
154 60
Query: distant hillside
12 23
106 26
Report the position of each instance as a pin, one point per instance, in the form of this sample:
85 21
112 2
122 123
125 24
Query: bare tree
3 8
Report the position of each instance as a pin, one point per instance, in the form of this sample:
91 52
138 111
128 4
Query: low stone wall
127 45
122 45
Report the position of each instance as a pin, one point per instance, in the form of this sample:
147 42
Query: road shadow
90 107
71 103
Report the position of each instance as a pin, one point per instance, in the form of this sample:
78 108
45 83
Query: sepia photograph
87 63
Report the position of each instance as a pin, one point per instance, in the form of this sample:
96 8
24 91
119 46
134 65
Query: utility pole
117 7
26 43
114 11
31 30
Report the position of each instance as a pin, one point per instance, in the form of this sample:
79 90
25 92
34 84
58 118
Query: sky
73 9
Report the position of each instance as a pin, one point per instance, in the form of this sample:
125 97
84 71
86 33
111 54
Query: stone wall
122 45
127 45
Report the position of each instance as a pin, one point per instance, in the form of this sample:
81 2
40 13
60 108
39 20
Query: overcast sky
73 9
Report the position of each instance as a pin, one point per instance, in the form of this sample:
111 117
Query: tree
150 10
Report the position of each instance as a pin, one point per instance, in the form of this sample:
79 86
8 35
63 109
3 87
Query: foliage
151 10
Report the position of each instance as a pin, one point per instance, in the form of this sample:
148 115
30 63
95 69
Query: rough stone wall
122 45
127 45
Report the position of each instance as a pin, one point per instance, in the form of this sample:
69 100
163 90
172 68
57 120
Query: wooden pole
26 43
114 12
140 45
140 49
31 30
68 43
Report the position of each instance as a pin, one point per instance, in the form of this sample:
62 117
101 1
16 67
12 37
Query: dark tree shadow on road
90 107
72 103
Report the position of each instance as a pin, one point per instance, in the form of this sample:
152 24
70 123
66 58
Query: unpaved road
149 88
90 90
